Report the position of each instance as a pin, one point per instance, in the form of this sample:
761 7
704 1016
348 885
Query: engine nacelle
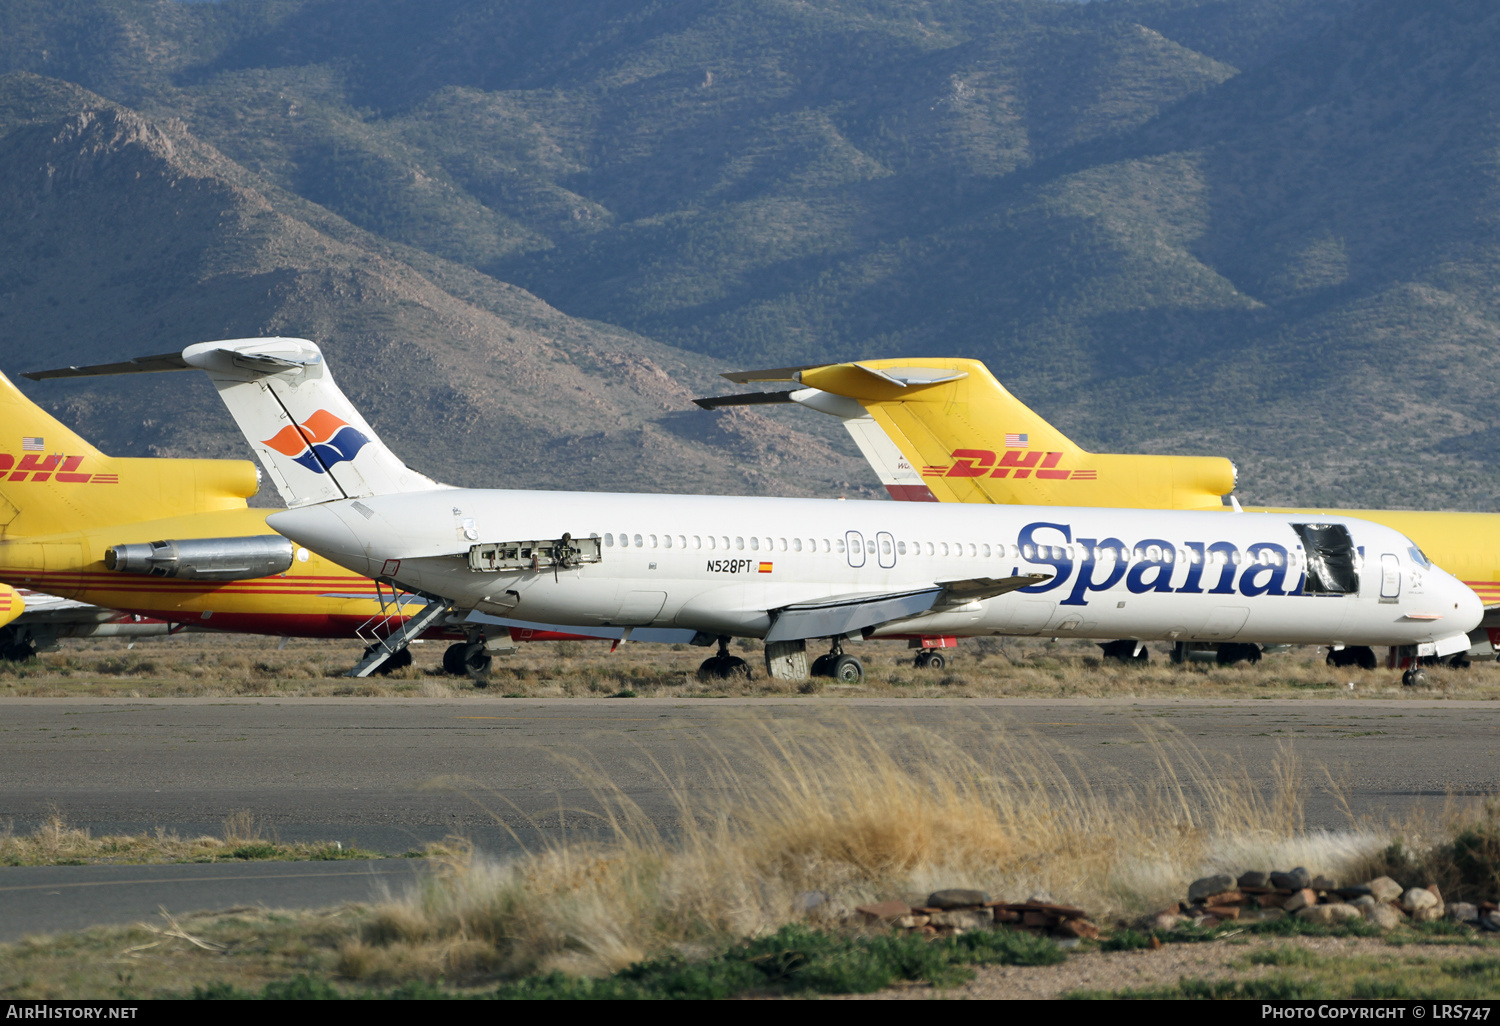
205 559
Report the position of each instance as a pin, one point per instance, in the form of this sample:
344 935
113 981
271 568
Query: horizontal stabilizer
773 374
713 402
139 365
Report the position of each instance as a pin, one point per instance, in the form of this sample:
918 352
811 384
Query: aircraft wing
843 614
44 608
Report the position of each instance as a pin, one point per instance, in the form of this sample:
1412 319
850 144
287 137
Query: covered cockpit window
1330 559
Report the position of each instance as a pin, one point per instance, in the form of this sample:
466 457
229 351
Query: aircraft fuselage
723 565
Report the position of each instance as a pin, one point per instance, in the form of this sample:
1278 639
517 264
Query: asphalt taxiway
392 774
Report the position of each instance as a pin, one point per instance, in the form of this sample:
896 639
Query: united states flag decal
1013 441
29 444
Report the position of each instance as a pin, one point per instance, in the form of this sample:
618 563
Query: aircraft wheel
1460 661
453 658
822 666
935 661
848 670
1124 651
1414 678
18 653
396 662
1233 652
477 663
723 668
1179 653
921 660
1364 656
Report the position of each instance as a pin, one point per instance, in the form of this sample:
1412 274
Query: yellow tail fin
973 441
53 481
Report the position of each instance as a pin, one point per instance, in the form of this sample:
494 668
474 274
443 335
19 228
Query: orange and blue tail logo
318 442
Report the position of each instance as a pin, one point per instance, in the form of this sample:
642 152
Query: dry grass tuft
850 817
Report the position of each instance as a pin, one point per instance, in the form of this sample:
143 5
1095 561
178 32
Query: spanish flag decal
765 568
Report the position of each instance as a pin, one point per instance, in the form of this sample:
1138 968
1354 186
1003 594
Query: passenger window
681 542
697 541
838 545
609 540
666 541
653 541
945 548
638 543
781 544
986 552
754 544
796 544
739 542
870 546
827 547
901 548
1028 551
710 541
885 547
724 542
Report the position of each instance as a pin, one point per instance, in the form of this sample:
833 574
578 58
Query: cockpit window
1420 558
1330 559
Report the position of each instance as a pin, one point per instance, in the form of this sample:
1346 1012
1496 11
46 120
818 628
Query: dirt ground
217 665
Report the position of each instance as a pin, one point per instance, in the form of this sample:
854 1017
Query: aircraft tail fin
52 480
307 434
969 439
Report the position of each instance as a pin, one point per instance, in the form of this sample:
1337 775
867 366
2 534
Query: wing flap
840 615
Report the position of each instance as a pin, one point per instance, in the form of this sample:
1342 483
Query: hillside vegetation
1258 228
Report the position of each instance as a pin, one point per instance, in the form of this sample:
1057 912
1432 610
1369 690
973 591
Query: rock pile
949 913
1257 897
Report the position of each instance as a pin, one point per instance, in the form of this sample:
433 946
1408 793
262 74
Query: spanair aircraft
153 546
794 570
946 430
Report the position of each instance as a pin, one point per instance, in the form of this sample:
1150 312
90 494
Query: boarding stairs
383 645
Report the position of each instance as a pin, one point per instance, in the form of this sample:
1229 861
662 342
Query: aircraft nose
321 529
1468 609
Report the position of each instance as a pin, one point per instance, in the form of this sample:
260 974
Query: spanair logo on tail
318 443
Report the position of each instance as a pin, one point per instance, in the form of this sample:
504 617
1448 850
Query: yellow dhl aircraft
159 545
945 430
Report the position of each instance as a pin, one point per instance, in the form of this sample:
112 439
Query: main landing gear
391 663
1362 656
723 666
845 669
927 659
469 659
1126 651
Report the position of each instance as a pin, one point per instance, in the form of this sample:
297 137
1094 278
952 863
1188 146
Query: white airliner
792 570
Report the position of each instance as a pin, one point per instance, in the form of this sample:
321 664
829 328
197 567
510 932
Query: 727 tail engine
205 559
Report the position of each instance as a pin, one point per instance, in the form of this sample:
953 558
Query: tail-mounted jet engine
205 559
